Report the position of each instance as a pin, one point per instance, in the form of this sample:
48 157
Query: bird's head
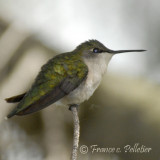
94 48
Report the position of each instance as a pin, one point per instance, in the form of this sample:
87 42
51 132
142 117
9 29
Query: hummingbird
69 78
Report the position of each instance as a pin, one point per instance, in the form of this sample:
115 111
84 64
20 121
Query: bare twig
74 109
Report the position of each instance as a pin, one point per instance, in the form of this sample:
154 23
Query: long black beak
123 51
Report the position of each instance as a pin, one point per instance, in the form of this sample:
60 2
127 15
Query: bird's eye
96 50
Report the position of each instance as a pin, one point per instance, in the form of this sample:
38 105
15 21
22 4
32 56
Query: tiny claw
73 105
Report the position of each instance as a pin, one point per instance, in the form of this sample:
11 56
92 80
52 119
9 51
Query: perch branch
74 109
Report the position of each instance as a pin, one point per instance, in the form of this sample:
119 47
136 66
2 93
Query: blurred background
125 108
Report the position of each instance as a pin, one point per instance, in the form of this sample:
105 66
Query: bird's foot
73 105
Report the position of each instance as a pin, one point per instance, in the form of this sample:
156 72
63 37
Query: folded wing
57 78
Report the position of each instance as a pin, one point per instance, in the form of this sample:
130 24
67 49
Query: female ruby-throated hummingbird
69 78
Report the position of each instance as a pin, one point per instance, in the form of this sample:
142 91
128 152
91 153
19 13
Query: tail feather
15 99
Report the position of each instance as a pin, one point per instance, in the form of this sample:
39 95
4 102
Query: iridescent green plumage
67 66
64 74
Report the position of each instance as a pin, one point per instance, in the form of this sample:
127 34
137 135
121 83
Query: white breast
96 67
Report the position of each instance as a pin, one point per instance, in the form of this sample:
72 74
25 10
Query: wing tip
12 113
9 116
